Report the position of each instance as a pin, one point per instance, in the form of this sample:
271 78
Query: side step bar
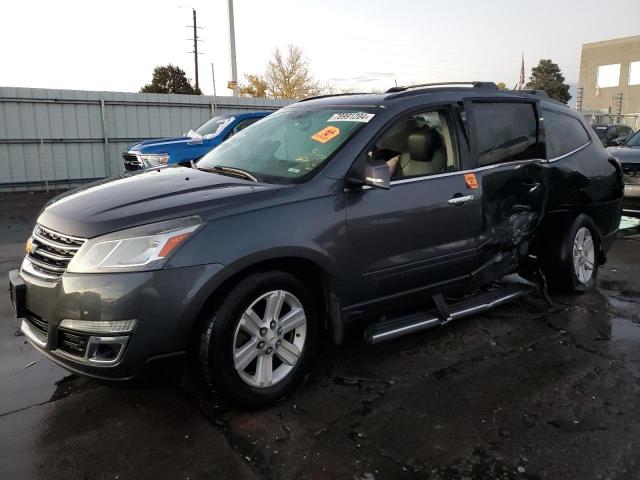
416 322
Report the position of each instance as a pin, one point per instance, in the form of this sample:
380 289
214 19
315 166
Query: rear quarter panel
586 181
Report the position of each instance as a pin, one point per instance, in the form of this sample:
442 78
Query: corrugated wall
57 138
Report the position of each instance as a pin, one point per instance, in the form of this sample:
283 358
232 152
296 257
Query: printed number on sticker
362 117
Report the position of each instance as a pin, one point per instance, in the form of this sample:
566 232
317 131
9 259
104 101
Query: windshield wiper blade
236 172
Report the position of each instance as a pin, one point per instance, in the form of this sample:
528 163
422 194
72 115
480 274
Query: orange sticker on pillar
471 180
326 134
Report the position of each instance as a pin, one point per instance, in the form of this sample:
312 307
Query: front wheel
258 343
570 259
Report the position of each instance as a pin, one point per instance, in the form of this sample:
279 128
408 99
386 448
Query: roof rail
540 93
490 85
333 95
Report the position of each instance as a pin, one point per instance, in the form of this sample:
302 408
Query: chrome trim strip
121 340
52 256
486 306
398 332
27 267
33 335
551 160
630 210
435 321
462 172
58 234
46 266
54 244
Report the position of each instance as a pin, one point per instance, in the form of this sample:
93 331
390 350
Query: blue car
191 146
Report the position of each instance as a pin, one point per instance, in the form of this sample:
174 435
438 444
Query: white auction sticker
351 117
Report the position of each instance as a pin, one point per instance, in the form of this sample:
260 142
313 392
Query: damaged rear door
507 149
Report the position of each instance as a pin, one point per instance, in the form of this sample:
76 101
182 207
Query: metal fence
58 138
631 120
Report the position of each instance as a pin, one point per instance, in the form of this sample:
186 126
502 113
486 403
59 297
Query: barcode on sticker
351 117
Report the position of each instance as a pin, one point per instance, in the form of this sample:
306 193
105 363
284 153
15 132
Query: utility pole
195 46
213 76
233 84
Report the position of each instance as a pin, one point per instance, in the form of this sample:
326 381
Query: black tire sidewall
216 341
560 268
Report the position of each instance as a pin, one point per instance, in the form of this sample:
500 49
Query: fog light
102 326
105 350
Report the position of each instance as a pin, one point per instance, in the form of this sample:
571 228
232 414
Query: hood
626 154
160 145
147 197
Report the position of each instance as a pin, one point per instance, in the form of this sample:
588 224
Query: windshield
215 125
289 145
634 141
600 130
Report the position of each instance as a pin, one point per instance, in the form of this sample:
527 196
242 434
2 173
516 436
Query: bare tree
287 76
255 87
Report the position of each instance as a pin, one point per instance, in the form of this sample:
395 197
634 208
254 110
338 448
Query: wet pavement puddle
624 329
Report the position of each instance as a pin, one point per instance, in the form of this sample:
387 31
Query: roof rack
490 85
540 93
334 95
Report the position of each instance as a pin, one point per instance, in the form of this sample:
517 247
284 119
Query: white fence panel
59 138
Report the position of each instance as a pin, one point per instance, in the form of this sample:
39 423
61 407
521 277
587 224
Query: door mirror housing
377 175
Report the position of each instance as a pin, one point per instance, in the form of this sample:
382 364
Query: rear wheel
258 343
570 259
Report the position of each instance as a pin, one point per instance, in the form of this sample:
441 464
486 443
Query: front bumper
631 205
164 305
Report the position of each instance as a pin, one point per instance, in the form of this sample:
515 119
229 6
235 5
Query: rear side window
563 134
505 132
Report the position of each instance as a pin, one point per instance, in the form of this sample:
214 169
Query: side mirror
377 175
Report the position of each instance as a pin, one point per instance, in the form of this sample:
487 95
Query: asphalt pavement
526 391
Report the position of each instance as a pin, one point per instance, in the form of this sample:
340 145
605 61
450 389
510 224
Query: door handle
460 200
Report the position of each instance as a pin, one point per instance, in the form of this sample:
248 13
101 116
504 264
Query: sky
355 44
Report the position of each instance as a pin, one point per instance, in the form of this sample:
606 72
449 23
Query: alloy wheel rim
269 339
583 255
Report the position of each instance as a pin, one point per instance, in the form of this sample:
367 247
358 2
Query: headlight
135 249
153 160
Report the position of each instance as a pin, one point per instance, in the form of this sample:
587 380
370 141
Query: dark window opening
563 134
506 132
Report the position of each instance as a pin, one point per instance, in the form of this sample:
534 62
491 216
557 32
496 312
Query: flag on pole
521 82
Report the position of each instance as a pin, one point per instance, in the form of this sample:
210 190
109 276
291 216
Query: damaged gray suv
397 212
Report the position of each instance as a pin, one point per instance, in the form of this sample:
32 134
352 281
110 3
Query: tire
250 356
570 259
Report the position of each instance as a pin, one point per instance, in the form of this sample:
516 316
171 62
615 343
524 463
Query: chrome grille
73 343
38 323
631 169
50 252
131 162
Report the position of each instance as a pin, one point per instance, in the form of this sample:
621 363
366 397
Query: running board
416 322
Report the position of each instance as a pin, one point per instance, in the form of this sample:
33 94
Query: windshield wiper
232 171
